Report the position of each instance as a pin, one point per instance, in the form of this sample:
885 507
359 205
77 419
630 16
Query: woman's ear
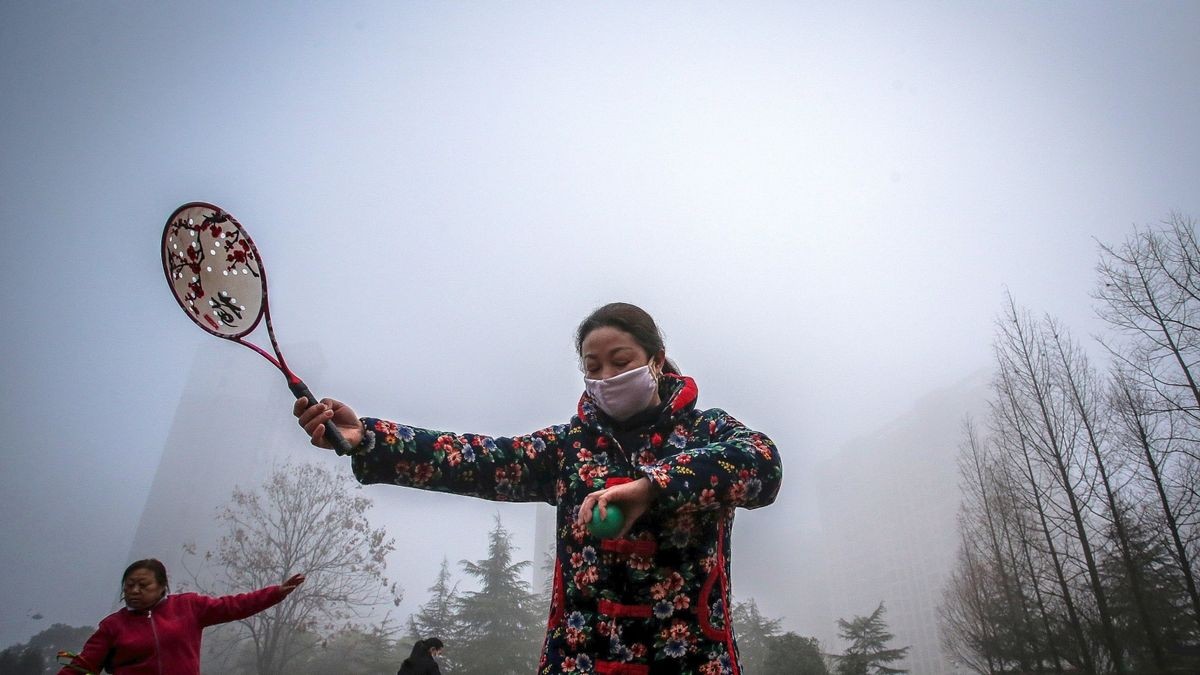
660 361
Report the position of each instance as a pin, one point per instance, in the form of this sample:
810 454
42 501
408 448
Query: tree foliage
499 631
756 634
304 519
353 650
868 653
38 655
438 617
767 651
22 661
791 654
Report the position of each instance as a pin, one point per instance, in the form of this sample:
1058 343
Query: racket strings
205 253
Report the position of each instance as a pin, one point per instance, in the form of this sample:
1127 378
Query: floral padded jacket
656 602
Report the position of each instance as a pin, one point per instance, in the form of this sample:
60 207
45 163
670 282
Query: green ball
608 527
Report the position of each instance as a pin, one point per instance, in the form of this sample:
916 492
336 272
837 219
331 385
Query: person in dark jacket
421 661
160 633
656 598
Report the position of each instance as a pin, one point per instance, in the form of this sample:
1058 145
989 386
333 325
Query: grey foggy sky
822 206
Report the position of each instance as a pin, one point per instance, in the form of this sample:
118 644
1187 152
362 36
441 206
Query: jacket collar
679 393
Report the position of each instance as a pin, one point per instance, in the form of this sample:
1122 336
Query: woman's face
608 351
142 589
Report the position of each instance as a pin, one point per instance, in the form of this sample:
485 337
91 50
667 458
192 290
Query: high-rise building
231 427
888 532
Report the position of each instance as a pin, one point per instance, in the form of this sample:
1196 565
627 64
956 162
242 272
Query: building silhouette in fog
230 428
233 426
888 531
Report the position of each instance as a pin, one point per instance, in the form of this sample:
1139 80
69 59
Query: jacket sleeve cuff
367 444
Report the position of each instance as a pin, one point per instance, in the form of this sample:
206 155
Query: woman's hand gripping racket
217 276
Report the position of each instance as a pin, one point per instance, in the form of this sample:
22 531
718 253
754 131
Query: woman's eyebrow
611 352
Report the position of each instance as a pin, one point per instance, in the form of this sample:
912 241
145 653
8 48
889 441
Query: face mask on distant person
625 395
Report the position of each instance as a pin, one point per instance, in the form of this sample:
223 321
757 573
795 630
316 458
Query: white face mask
625 395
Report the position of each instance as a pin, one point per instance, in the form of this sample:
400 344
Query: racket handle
340 445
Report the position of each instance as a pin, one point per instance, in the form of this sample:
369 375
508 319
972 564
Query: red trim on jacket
558 605
702 607
618 668
729 645
618 611
687 394
717 575
628 546
617 480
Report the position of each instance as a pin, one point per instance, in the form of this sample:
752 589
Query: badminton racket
216 275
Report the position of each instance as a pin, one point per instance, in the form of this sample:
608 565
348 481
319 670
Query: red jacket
165 639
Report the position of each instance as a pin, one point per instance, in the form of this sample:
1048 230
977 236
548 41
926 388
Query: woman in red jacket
160 633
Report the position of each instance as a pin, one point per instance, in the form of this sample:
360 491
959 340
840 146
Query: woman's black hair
631 319
154 565
424 647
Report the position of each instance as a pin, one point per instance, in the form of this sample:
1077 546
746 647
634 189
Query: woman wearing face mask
160 633
656 598
421 661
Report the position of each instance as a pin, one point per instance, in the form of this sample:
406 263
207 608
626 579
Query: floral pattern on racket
214 269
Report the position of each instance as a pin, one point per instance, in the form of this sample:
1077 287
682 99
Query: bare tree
1150 292
1020 533
993 616
1080 521
968 630
304 519
1016 507
1138 426
1037 434
1079 382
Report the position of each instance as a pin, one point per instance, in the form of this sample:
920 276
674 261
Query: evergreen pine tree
755 633
1163 593
790 654
38 655
497 620
868 653
438 616
20 660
